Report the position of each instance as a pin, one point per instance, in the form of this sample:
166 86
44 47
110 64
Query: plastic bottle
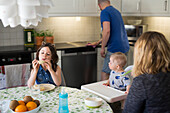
63 102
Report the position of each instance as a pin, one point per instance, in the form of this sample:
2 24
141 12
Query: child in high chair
119 78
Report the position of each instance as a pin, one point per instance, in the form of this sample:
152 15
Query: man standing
113 34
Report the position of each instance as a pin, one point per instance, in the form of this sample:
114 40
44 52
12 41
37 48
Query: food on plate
27 99
42 88
41 61
13 104
25 105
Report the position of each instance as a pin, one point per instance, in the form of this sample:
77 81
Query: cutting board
108 93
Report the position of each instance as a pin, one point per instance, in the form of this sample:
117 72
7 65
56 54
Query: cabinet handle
166 5
138 6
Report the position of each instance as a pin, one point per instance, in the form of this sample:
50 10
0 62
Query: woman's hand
35 64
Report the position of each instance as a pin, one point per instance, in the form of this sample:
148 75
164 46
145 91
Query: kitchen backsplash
70 29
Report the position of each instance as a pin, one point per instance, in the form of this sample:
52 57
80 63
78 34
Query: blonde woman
150 90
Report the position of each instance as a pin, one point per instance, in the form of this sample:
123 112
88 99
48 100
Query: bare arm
34 71
56 76
95 43
105 38
127 89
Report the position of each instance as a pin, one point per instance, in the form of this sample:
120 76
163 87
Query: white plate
46 87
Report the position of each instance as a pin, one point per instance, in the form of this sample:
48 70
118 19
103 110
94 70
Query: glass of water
35 91
4 106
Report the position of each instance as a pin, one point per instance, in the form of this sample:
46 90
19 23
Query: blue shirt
44 76
118 41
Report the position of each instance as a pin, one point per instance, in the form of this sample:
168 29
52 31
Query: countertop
33 48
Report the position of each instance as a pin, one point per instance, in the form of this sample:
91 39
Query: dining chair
63 82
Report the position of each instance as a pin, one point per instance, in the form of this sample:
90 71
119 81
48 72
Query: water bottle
63 102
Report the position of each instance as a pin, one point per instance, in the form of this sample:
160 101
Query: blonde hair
151 54
120 58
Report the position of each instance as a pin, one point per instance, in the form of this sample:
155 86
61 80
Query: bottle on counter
63 102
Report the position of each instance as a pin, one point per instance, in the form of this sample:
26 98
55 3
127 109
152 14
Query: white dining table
49 101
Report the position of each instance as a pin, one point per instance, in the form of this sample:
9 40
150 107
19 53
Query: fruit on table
21 102
27 104
37 102
27 99
13 104
31 105
21 108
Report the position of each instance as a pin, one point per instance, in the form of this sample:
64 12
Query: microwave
135 30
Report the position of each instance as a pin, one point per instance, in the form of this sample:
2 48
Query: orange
21 102
31 105
21 108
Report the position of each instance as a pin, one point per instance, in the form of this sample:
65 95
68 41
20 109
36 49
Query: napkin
17 75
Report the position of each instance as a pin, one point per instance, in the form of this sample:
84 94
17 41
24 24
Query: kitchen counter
33 48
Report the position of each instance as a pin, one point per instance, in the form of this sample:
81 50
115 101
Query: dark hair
54 55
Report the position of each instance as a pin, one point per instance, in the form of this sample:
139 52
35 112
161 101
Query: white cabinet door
130 6
154 7
64 7
88 7
74 8
116 4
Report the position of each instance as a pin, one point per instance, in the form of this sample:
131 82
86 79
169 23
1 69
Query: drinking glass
4 106
35 91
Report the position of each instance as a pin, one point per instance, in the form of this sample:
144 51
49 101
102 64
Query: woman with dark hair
150 90
45 68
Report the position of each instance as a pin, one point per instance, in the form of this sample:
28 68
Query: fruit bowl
134 22
27 105
32 111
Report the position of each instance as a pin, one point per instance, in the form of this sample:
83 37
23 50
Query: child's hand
126 92
35 64
48 65
106 84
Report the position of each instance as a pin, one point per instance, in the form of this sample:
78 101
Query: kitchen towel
17 75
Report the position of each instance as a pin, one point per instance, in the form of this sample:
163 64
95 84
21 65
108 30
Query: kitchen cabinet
89 7
63 7
159 7
116 4
145 8
74 8
130 6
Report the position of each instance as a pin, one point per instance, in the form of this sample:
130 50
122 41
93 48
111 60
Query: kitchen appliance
79 66
133 33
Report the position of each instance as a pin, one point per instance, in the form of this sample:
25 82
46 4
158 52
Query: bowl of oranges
27 105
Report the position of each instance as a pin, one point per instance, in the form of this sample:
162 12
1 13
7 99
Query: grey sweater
149 94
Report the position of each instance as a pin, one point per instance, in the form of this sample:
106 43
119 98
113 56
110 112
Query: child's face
45 54
112 64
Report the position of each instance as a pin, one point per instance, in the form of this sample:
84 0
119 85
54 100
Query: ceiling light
23 12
